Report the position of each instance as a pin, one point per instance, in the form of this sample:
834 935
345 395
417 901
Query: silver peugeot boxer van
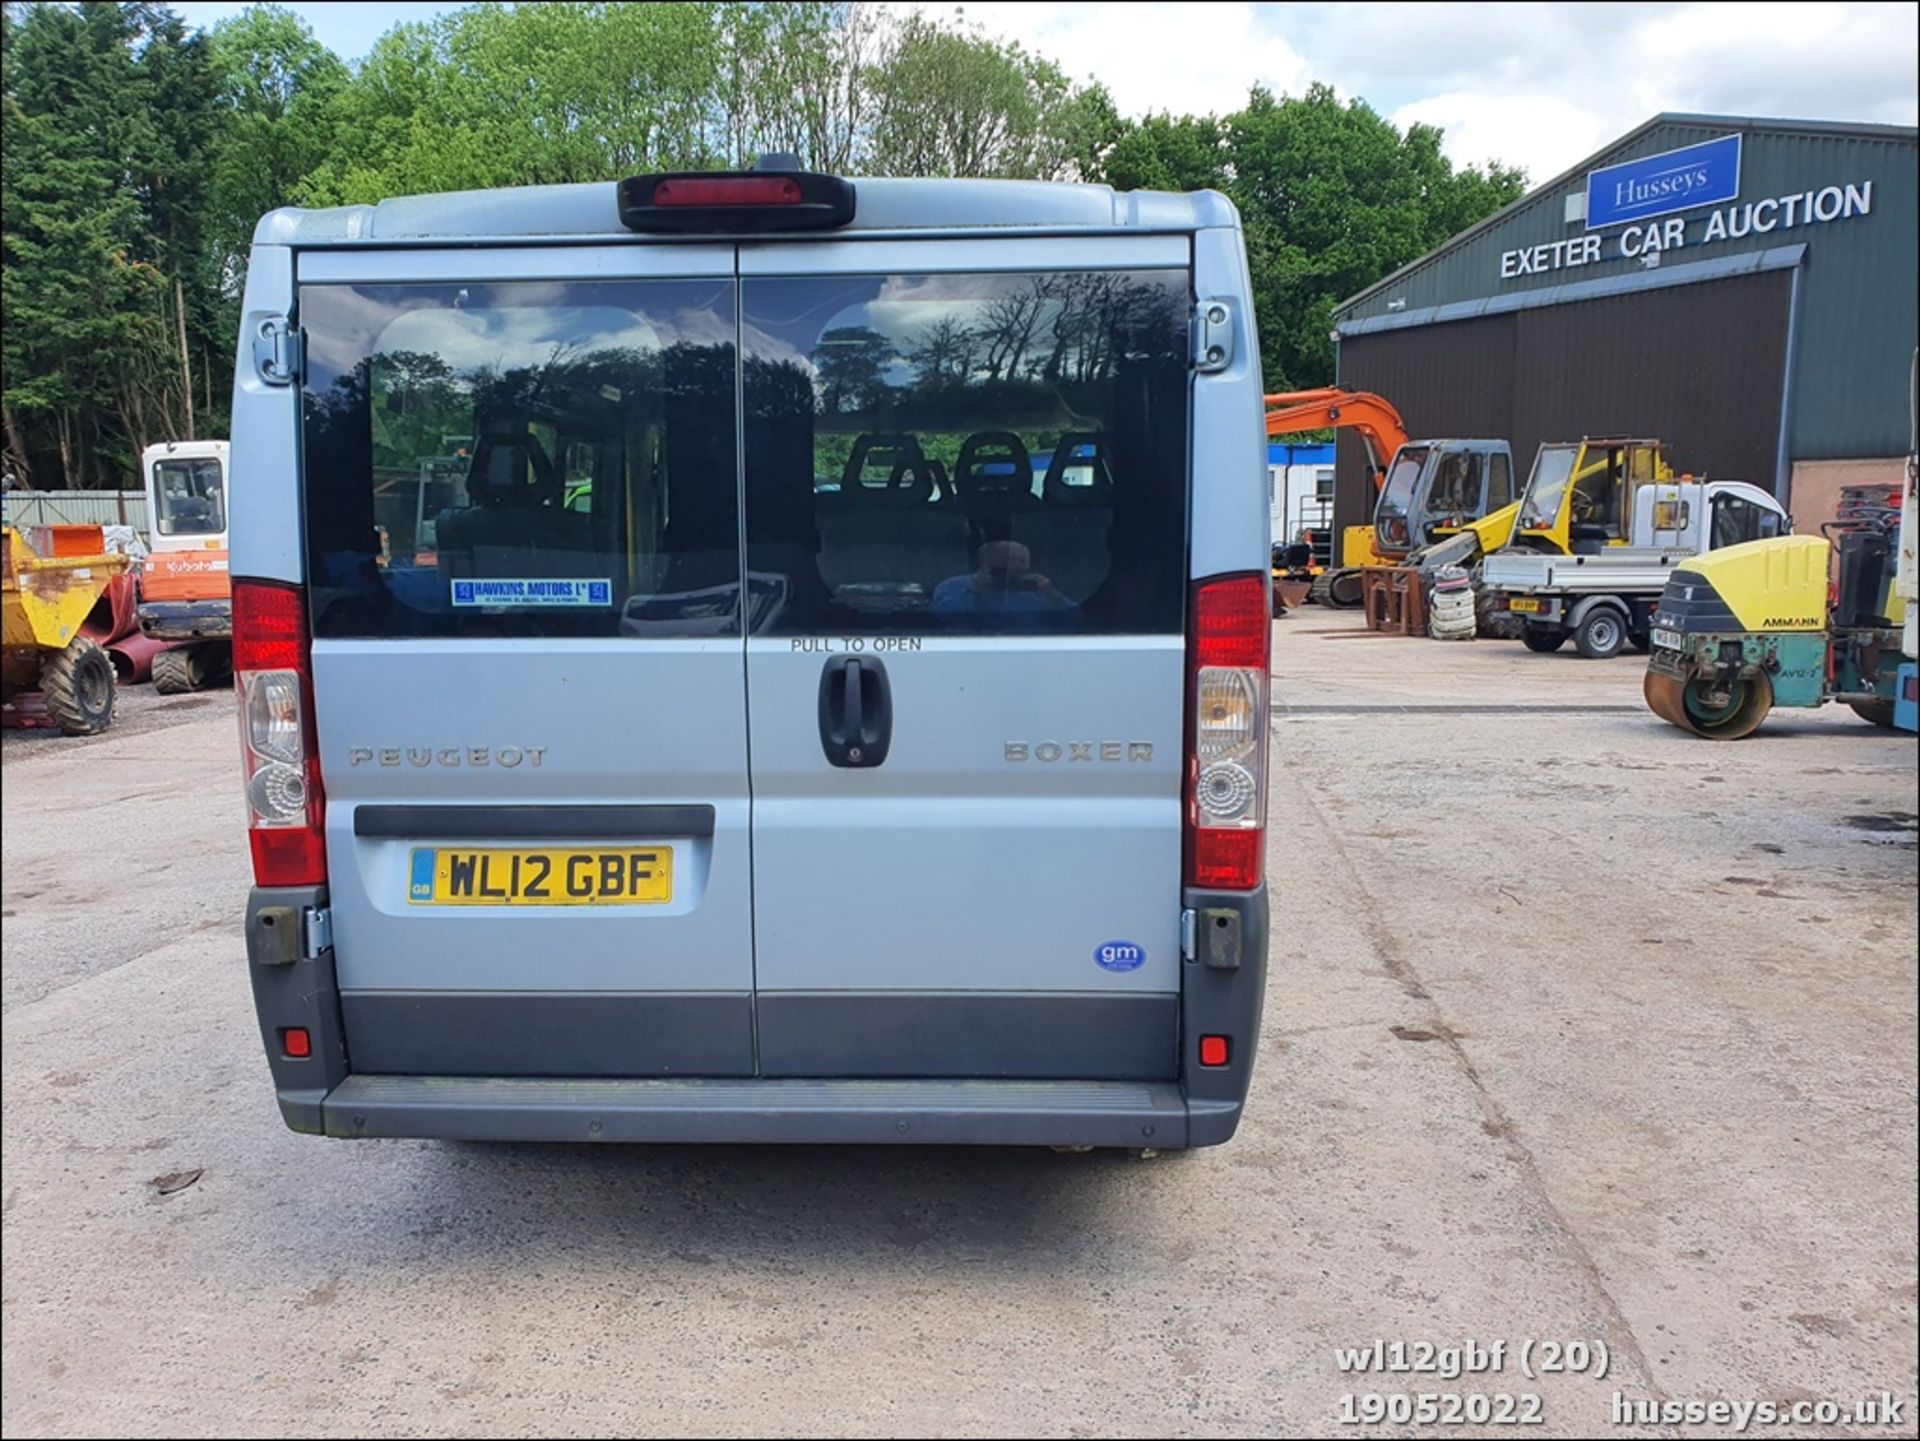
755 657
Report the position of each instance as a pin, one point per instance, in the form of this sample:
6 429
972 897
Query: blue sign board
1704 174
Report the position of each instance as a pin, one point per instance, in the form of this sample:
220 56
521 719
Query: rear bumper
187 619
1222 993
1047 1113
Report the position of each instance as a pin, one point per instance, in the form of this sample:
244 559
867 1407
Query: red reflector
269 626
295 1041
1226 860
728 190
1213 1050
288 856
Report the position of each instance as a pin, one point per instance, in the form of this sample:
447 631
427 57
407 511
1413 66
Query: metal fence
77 507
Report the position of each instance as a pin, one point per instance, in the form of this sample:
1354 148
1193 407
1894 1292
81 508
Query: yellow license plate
1523 603
582 876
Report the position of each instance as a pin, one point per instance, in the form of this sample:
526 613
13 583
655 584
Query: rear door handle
856 711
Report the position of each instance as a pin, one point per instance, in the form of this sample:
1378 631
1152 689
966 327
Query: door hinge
279 350
1213 330
1187 934
316 932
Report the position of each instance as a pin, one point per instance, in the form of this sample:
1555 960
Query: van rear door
966 507
522 536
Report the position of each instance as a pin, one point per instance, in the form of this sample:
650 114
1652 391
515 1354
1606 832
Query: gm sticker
1119 956
532 593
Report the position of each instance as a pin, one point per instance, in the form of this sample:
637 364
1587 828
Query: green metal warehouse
1744 290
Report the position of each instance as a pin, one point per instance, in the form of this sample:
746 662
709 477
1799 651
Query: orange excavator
1381 431
1425 491
1332 407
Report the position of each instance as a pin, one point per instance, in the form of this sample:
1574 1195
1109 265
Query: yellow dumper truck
54 577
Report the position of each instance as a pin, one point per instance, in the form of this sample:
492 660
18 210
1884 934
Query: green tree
524 95
170 160
84 376
275 83
951 101
1164 153
1333 197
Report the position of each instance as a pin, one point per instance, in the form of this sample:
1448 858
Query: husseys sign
1641 200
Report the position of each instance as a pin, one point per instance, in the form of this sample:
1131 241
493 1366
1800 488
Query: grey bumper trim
1056 1113
452 823
973 1035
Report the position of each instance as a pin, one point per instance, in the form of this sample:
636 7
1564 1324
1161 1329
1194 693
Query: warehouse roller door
1701 367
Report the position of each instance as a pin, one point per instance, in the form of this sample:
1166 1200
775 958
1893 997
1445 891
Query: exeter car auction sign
1641 199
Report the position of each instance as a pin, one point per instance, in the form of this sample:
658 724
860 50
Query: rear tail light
273 672
1227 733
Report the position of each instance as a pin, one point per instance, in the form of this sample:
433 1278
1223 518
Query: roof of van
591 211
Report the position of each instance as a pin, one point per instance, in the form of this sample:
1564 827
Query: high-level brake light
728 190
776 195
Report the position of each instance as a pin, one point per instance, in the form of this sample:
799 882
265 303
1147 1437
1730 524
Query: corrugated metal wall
77 507
1698 366
1861 287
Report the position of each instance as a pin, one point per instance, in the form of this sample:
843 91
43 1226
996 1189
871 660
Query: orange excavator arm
1332 407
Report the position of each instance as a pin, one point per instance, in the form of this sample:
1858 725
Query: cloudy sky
1540 86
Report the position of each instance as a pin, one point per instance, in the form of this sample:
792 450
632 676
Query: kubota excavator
1425 491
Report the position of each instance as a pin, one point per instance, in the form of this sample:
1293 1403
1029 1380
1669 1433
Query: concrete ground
1578 1029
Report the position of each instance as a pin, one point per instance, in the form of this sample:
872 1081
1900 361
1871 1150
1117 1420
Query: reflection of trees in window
420 401
851 361
1058 329
943 353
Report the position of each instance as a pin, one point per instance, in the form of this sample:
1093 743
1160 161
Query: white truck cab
1603 596
755 657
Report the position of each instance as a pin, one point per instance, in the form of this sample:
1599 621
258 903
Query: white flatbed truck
1603 596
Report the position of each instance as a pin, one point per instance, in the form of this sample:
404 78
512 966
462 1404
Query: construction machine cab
1579 496
1437 488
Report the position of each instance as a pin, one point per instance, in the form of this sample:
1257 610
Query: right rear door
966 515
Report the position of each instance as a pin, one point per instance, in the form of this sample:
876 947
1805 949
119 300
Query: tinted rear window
967 454
972 454
522 459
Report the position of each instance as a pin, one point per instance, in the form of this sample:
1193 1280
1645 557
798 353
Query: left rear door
522 551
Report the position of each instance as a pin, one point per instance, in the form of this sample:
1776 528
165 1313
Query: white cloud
1178 57
1542 134
1537 85
1543 86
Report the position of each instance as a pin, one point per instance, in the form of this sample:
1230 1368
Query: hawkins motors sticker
532 593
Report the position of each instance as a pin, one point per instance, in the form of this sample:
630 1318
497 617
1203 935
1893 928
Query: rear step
1043 1113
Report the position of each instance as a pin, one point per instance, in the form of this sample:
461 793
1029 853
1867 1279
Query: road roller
1742 630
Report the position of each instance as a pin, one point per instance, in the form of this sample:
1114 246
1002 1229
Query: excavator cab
1579 497
1438 488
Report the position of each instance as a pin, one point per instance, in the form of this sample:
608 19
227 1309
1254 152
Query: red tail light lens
1226 792
273 673
269 626
728 190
